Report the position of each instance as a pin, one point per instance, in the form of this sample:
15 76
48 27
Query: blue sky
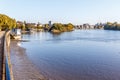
64 11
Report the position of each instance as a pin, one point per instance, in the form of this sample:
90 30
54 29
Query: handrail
7 71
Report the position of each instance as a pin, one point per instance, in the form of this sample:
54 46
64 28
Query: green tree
6 22
59 27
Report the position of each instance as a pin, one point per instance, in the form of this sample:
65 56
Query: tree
112 26
59 27
6 22
23 27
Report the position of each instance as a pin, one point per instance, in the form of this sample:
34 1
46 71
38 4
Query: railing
7 67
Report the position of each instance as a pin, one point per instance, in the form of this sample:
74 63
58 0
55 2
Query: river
76 55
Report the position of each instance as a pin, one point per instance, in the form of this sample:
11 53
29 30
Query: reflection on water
19 43
77 55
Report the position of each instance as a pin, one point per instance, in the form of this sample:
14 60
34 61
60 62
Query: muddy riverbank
23 68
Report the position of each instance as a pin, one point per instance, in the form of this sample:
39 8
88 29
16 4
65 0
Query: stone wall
7 67
1 52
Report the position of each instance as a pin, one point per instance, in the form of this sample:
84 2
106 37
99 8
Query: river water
77 55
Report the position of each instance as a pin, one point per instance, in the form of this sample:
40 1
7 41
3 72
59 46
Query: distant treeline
9 23
112 26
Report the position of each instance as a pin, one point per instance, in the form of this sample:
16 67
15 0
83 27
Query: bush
58 27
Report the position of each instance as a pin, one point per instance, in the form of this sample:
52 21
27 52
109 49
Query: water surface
77 55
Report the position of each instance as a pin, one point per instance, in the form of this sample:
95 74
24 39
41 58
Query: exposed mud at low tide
23 69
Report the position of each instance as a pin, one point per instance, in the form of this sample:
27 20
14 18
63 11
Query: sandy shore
23 69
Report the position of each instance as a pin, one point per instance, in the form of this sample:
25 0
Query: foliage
23 27
46 27
62 27
112 26
39 26
6 22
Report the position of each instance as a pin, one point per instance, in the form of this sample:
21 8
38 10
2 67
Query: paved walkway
1 52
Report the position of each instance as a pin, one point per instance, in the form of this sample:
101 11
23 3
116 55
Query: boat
16 34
